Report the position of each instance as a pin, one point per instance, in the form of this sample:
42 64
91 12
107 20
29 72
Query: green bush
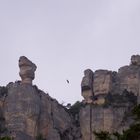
5 138
40 137
3 91
133 133
75 108
103 135
136 112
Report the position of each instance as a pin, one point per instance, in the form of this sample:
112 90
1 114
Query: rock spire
27 70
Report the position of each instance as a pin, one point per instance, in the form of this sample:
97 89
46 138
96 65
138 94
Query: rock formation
116 93
105 82
87 85
27 113
27 70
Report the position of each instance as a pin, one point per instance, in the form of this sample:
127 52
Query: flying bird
68 81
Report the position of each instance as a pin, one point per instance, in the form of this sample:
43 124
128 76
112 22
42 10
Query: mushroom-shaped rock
87 85
27 70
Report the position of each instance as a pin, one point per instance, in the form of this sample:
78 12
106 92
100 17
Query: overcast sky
65 37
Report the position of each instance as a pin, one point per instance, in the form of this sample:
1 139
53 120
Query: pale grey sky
65 37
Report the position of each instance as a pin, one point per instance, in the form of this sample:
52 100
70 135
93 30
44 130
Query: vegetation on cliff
40 137
6 138
75 108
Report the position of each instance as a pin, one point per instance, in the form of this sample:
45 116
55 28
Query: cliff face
30 112
27 113
114 94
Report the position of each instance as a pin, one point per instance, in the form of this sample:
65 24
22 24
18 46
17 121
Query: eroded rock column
27 70
87 86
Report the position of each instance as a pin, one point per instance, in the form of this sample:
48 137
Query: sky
65 37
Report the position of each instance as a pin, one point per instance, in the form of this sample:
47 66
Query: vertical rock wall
114 95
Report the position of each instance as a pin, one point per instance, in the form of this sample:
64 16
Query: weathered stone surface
54 120
102 82
45 121
129 79
29 112
27 70
85 123
87 85
97 118
22 109
115 94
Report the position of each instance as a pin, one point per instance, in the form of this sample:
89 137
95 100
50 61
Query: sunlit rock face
27 70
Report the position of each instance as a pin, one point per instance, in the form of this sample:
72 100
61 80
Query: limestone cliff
27 113
113 97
